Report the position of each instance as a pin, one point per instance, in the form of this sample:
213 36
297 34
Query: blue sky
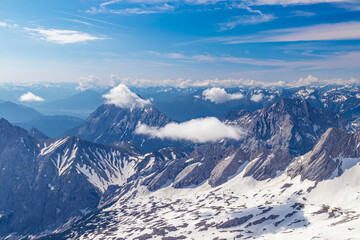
155 42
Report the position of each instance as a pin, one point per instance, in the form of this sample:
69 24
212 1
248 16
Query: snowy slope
289 206
280 208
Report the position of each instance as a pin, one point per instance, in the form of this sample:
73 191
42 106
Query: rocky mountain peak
109 124
290 123
291 106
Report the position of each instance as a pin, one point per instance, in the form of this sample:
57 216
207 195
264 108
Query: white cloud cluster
257 97
122 97
88 82
30 97
201 130
219 95
314 81
61 36
229 82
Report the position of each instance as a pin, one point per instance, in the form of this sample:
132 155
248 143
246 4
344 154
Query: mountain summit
110 123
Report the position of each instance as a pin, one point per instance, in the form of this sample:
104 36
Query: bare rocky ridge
267 163
276 134
291 124
47 183
333 152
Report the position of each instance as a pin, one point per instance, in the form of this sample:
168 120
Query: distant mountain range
182 107
17 113
275 176
79 105
54 126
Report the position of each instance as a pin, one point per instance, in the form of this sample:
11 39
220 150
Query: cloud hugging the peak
219 95
122 97
30 97
200 130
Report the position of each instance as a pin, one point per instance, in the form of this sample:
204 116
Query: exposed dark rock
327 156
235 222
226 168
291 124
45 183
268 163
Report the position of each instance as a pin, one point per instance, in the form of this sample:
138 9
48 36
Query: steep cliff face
46 183
289 124
335 152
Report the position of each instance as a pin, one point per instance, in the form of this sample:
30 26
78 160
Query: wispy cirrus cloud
61 36
151 9
300 13
224 59
321 32
335 61
254 17
92 19
246 20
162 6
294 2
318 32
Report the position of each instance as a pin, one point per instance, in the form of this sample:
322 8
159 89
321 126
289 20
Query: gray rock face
276 134
46 183
110 124
212 161
17 171
329 158
227 167
267 163
200 164
289 124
